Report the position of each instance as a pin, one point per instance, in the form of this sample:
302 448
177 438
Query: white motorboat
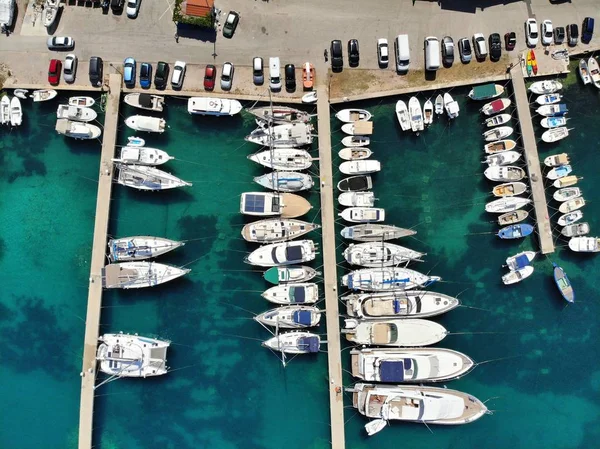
512 277
139 274
495 106
356 141
82 102
375 232
503 158
285 181
294 342
276 230
21 93
309 98
134 141
511 218
146 123
145 101
571 205
43 95
398 304
357 199
279 114
499 146
361 167
16 112
145 177
77 130
553 110
545 87
553 122
353 115
142 156
497 133
439 104
287 253
290 317
451 106
5 110
402 115
386 279
509 189
548 99
409 365
416 114
557 159
497 120
566 181
379 254
363 214
358 128
355 184
76 113
558 172
486 92
520 260
594 71
576 229
288 135
354 154
213 106
422 404
415 332
428 112
124 355
506 204
555 134
570 218
265 204
566 194
139 247
289 294
504 173
584 73
290 274
288 159
50 12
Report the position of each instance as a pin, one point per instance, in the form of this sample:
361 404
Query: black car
464 50
162 75
510 41
447 51
572 34
559 35
353 53
96 70
231 24
495 44
337 59
117 6
290 77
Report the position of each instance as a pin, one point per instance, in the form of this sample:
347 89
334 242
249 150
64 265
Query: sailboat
265 204
386 279
416 114
506 204
379 254
276 230
563 283
402 115
288 159
140 247
139 274
285 181
124 355
279 114
294 342
375 232
145 177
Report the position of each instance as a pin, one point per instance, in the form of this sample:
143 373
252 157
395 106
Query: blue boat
515 231
563 284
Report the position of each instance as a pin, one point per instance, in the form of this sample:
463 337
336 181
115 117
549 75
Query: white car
133 7
532 32
383 55
547 32
60 43
70 68
227 76
178 75
479 46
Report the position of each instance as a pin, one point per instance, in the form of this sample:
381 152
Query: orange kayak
533 62
529 66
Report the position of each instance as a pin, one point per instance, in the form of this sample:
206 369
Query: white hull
144 177
571 205
566 194
309 98
362 167
548 99
16 112
428 113
386 279
555 134
570 218
497 120
553 122
363 214
503 158
509 189
402 115
282 181
559 172
556 160
146 123
355 141
43 95
295 342
513 262
21 93
287 294
416 115
50 13
143 156
75 113
499 146
439 104
77 130
354 154
375 232
497 133
353 115
145 101
584 72
450 106
128 275
123 355
83 102
504 174
5 110
594 71
357 199
545 87
516 276
506 204
381 254
283 159
139 248
276 230
213 106
290 317
290 274
289 135
279 114
410 333
289 253
576 229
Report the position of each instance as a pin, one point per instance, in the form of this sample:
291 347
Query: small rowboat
567 181
506 204
571 205
559 172
570 218
497 120
354 154
136 141
548 99
503 158
513 277
21 93
509 189
512 217
567 194
309 98
499 146
555 134
563 284
497 133
553 122
576 229
516 231
556 160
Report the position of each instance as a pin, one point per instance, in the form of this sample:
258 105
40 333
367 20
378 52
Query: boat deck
294 205
536 178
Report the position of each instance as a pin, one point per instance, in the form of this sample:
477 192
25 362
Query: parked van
402 51
274 75
587 30
432 53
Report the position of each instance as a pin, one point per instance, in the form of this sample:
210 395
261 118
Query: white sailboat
295 342
506 204
139 274
386 279
124 355
268 204
402 115
288 159
288 135
379 254
143 156
140 247
279 114
416 114
285 181
145 177
276 230
375 232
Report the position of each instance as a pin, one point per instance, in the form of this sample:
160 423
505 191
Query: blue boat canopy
293 253
309 344
297 295
302 317
522 261
393 371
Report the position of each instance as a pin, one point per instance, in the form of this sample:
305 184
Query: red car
54 71
210 74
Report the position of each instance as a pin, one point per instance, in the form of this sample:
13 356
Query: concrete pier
334 355
92 321
534 171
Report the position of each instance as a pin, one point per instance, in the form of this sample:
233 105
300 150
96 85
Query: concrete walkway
534 170
334 356
92 322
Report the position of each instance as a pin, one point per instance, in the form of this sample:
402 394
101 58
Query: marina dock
534 170
334 356
94 304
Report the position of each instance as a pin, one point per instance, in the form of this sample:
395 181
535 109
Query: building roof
197 8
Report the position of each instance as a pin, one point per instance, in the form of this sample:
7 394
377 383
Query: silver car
227 76
258 72
178 74
70 68
60 43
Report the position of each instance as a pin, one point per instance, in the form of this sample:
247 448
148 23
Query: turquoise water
225 391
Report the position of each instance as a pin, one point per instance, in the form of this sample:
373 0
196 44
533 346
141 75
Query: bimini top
292 252
309 344
521 262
